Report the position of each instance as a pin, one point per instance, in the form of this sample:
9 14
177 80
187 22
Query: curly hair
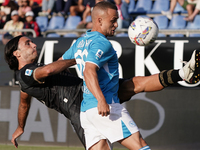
10 47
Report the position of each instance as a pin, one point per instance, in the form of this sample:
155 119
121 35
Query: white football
143 31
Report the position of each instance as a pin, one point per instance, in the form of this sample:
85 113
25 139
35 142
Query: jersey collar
91 33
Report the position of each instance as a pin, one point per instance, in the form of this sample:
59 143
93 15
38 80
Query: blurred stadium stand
177 22
179 9
70 35
195 24
160 5
58 26
56 22
162 23
72 22
131 6
143 6
53 35
42 22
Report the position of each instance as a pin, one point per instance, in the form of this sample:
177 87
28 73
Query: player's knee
72 9
189 7
102 144
181 2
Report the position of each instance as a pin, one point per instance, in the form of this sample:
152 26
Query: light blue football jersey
95 48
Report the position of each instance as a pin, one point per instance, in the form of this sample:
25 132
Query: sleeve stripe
93 63
36 78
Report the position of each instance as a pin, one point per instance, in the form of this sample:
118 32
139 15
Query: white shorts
116 126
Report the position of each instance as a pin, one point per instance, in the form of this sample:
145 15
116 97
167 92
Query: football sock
145 148
169 77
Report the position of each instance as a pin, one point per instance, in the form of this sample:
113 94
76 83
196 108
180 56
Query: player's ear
100 21
16 53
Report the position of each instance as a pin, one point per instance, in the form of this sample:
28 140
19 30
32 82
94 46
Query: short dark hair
10 47
104 5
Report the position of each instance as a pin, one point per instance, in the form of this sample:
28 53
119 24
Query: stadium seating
51 35
131 6
56 22
88 19
161 35
72 22
195 24
42 22
70 35
160 5
179 9
161 21
194 35
143 6
177 22
176 35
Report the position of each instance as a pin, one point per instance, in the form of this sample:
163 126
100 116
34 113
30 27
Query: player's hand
103 108
16 134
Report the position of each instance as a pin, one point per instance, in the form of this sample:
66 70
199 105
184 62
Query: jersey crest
99 54
28 72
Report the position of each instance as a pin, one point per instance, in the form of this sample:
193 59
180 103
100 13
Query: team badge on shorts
99 54
28 72
132 124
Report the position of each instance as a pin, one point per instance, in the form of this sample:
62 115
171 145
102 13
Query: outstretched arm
23 111
53 68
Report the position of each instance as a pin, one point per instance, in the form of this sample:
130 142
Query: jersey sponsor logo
81 44
28 72
99 54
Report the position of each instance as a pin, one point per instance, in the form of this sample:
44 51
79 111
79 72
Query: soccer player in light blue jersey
103 119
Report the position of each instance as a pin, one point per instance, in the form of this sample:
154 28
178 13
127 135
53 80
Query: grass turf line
11 147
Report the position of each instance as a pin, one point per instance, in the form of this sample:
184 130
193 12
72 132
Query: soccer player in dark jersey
62 91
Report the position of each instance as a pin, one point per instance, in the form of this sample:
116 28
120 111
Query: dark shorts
185 4
72 112
121 81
